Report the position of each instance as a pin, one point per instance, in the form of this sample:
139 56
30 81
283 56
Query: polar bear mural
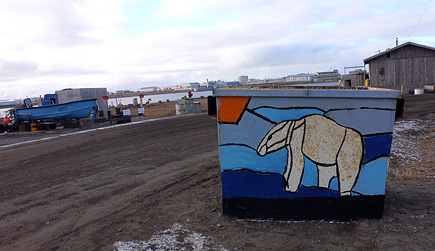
336 150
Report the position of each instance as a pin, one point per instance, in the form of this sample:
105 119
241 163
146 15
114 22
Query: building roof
300 74
367 60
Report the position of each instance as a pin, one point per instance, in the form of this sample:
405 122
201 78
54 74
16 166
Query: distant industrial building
188 86
149 89
327 76
409 65
242 79
301 77
225 83
254 81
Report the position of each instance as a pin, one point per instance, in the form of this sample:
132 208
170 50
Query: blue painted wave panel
235 157
372 178
310 174
379 145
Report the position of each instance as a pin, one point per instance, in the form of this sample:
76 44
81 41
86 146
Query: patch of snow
408 135
174 238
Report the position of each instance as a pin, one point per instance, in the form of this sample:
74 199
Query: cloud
128 44
11 68
59 23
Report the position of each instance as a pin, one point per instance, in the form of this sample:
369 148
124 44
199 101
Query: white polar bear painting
336 150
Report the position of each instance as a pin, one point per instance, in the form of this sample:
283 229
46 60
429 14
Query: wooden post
106 106
141 102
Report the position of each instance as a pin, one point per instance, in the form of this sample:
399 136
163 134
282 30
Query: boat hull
67 111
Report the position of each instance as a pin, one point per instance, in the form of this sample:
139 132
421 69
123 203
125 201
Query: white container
418 91
179 109
126 112
429 88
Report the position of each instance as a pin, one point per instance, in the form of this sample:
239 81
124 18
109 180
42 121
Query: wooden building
354 78
409 65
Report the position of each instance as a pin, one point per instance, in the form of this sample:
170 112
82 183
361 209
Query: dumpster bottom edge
347 207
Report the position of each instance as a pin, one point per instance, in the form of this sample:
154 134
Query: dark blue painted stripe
377 145
246 183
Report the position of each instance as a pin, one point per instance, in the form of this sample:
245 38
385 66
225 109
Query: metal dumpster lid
306 91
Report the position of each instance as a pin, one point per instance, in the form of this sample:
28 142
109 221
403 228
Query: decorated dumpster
304 152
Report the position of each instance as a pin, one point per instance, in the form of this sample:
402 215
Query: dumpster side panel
305 157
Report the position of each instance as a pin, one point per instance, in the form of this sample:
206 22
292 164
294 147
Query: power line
419 20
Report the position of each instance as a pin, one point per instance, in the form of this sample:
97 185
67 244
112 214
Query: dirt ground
155 185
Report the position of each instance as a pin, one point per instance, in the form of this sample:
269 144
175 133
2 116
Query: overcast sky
49 45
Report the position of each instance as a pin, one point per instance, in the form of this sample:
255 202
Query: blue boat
66 111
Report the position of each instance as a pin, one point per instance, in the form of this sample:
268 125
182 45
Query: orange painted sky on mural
231 108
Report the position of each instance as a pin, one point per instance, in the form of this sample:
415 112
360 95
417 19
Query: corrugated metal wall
70 95
98 93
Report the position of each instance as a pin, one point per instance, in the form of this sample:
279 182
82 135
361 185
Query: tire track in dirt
80 203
